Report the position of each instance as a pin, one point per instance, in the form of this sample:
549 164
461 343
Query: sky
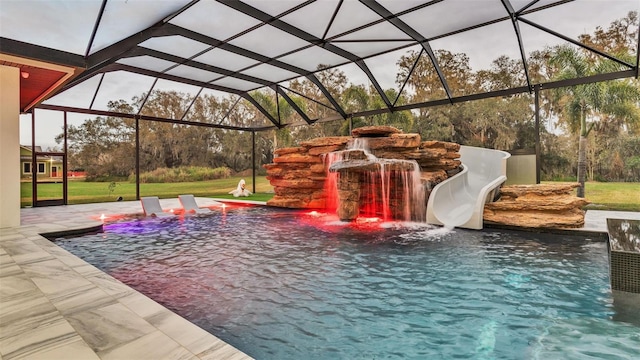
39 22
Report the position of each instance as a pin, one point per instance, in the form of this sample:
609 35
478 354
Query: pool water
280 284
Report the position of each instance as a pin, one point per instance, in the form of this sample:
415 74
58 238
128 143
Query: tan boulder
431 144
297 158
279 201
433 177
374 131
297 183
394 141
293 192
536 219
289 150
532 202
348 210
318 150
539 189
326 141
537 206
318 168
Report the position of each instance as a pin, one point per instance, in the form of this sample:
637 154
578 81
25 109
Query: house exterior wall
9 146
44 165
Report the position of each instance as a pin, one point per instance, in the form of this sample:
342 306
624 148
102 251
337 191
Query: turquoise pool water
283 284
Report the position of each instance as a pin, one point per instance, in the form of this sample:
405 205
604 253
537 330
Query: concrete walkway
54 305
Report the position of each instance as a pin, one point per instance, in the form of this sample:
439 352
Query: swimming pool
280 284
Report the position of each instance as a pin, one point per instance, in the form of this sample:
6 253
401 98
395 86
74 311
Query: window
41 168
26 168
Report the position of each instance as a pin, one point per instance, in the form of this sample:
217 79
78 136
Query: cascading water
386 188
331 183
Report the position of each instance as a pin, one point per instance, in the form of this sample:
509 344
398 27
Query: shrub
182 174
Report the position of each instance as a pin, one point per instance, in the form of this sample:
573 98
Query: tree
582 106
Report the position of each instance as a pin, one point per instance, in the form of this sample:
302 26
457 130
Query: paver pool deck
54 305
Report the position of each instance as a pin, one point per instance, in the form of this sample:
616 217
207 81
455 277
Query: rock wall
298 174
537 206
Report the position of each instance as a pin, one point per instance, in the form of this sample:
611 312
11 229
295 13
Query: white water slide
459 200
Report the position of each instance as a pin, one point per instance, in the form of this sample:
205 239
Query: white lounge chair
151 207
188 203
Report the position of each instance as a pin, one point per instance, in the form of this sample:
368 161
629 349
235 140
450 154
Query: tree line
589 131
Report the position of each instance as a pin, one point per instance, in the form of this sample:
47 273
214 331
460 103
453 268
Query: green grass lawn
81 192
603 196
613 196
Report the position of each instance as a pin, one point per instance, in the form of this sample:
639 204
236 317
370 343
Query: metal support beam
405 28
264 112
95 28
94 63
325 92
230 110
147 96
638 55
137 158
65 165
186 111
95 93
291 103
333 17
413 67
514 21
537 130
34 164
176 30
253 160
363 66
301 34
155 74
524 8
149 118
499 93
306 97
114 52
109 55
141 51
30 51
577 43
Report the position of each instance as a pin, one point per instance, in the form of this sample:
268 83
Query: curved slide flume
459 200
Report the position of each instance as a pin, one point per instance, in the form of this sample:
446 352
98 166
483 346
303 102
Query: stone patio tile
81 299
13 283
87 270
76 350
223 351
8 267
44 337
110 285
53 277
142 305
109 327
194 338
155 345
24 312
8 234
23 251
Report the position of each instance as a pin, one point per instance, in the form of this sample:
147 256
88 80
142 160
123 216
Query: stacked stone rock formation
298 174
537 206
398 194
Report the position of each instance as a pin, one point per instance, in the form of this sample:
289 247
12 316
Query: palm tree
582 106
